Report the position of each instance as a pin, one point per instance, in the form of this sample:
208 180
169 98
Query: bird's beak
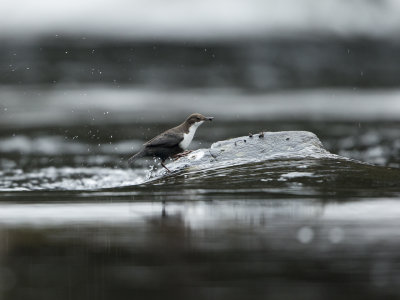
209 118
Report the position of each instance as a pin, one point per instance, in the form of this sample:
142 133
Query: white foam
67 178
297 174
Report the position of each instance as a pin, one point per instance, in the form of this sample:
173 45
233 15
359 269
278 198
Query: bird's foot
182 154
169 171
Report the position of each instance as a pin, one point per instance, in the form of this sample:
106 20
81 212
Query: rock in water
258 147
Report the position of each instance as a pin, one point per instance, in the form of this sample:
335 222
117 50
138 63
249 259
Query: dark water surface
323 227
83 84
77 223
283 62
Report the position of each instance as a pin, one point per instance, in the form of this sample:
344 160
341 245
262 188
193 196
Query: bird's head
197 119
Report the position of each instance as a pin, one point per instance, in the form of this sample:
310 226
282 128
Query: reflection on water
76 222
83 225
218 249
318 225
200 214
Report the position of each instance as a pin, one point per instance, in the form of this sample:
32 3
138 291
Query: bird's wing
166 139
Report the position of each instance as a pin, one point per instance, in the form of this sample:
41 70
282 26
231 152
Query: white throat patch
188 137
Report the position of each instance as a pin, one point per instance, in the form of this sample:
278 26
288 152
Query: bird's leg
182 154
162 163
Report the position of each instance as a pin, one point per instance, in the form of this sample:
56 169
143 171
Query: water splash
71 179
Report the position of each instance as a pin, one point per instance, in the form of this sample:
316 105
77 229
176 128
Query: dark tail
138 155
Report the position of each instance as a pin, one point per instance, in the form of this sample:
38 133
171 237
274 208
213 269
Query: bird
173 142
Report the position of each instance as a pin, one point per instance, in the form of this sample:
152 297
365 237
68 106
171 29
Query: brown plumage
173 141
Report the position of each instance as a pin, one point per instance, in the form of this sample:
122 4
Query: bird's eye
197 118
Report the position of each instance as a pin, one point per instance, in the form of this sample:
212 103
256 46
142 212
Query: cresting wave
289 162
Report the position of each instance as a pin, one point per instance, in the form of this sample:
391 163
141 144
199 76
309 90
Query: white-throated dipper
173 141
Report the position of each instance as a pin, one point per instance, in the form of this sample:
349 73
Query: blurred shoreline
199 20
248 64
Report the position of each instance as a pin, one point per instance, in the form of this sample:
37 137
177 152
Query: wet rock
273 145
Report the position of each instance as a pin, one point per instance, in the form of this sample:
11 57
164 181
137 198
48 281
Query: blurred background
330 67
84 83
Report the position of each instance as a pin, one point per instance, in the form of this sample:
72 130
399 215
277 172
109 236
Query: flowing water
77 222
84 83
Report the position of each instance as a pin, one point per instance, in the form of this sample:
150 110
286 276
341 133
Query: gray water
78 222
84 84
